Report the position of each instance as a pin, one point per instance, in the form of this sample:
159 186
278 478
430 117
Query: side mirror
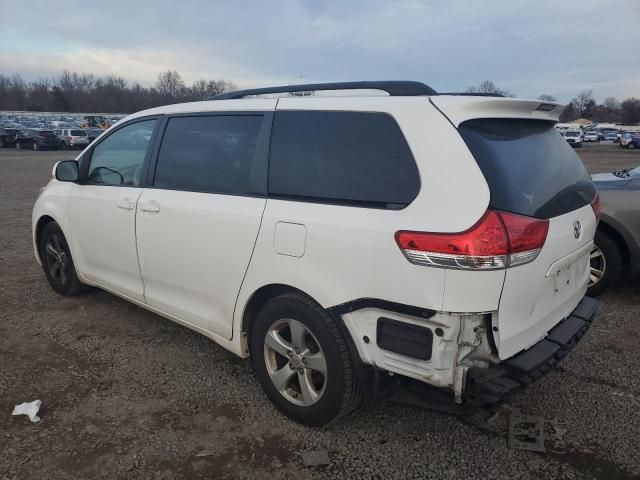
66 171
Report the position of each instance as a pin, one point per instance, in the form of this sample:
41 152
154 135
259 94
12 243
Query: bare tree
582 102
216 87
487 86
547 98
611 103
630 111
199 90
170 85
86 92
568 114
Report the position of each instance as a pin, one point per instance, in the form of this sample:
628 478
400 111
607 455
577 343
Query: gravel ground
128 394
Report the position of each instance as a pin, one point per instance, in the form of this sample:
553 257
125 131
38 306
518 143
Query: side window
355 158
118 159
214 154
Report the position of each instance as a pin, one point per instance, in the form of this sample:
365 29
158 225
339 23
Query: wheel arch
259 299
42 222
262 295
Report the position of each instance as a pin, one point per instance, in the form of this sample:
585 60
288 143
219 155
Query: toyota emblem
577 229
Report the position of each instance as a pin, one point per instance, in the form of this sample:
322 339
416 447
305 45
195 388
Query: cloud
528 47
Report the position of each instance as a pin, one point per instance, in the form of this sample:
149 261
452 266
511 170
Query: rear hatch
531 171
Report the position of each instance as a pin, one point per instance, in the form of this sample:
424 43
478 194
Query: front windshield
572 134
634 172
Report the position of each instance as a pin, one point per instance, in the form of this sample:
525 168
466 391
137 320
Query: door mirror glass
66 171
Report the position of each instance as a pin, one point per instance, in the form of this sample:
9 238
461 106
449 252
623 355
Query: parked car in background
610 137
37 139
93 133
8 137
591 136
72 138
630 140
466 303
617 241
573 138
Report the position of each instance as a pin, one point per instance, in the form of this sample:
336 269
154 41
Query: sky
527 47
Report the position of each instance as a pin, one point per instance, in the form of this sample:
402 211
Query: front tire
631 145
605 263
35 147
58 263
18 146
302 361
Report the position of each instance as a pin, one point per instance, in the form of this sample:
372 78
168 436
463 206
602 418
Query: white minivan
412 247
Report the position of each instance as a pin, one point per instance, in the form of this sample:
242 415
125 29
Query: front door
102 210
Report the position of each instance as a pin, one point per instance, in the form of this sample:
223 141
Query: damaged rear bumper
485 388
488 386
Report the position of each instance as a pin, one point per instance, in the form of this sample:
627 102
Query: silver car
72 138
617 240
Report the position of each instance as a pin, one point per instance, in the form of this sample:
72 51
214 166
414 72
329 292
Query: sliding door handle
150 208
125 204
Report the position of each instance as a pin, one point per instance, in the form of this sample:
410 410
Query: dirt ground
127 394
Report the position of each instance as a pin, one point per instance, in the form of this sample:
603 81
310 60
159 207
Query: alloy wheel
598 264
295 362
57 261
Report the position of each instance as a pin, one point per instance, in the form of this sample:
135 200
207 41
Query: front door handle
150 208
125 204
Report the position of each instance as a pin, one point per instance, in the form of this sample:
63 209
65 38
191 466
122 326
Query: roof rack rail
394 88
472 94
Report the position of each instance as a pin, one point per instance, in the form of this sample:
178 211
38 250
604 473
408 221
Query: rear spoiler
461 108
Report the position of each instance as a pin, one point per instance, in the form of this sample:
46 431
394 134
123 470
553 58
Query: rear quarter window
354 158
529 167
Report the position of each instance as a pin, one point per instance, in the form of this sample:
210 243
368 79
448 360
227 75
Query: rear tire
58 263
294 379
1 143
18 146
35 147
605 264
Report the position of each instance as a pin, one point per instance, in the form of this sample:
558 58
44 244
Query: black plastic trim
473 94
394 88
489 386
404 338
338 202
362 303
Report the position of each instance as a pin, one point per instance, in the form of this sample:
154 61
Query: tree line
86 92
611 110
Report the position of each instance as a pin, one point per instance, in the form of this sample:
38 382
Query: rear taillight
596 207
498 240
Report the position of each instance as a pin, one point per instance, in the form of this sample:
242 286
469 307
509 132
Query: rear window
78 133
355 158
530 169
